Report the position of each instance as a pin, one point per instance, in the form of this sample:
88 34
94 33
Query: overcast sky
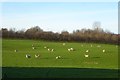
59 16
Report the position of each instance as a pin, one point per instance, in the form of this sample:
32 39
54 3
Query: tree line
96 35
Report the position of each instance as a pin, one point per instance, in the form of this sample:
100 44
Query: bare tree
97 26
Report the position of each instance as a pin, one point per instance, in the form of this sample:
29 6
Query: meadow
69 59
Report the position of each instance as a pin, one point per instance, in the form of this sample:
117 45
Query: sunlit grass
72 59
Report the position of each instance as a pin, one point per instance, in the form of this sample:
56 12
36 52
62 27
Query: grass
74 59
72 64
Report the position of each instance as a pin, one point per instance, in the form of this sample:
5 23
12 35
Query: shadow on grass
34 72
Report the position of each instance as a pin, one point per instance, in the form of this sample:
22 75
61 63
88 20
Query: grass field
73 59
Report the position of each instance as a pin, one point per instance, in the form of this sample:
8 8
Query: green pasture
74 59
69 59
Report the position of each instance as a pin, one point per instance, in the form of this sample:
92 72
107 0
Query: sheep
52 50
45 47
58 57
69 49
28 56
87 51
33 47
48 49
63 44
37 55
15 50
103 50
86 55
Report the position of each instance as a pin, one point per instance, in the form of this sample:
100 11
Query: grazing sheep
103 50
48 49
15 50
45 47
69 49
58 57
86 55
33 47
37 55
87 51
52 50
63 44
28 56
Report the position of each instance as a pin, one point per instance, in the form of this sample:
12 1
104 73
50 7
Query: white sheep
45 47
87 51
15 50
37 55
58 57
69 49
103 50
52 50
63 44
28 56
33 47
48 49
86 55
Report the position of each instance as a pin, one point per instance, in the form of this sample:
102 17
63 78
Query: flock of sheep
59 57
